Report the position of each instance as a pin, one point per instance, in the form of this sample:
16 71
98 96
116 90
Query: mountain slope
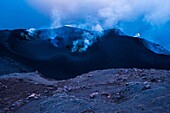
111 50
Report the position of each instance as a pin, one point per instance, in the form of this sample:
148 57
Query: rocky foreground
104 91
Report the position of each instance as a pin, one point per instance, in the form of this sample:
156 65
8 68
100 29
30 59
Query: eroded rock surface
108 91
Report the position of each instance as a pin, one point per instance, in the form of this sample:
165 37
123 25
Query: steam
79 44
31 31
149 18
86 41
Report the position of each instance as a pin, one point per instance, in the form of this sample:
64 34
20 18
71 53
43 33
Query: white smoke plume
149 18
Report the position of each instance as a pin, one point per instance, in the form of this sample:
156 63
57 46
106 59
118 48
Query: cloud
108 13
146 17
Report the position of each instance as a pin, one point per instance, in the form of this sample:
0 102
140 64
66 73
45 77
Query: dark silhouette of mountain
54 57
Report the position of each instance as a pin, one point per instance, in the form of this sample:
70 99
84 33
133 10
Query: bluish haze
149 19
19 14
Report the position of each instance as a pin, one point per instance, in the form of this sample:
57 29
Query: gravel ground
103 91
18 89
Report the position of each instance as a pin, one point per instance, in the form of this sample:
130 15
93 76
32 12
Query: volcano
64 53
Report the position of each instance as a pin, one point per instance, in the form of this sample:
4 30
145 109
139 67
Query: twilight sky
149 18
19 14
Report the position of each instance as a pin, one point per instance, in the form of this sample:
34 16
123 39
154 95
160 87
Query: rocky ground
103 91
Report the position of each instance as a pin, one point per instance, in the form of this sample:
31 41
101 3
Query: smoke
86 41
149 18
31 31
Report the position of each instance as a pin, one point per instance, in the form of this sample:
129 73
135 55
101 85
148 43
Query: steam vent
84 56
66 52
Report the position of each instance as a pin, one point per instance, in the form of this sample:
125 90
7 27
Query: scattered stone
147 86
127 84
33 96
126 71
66 88
106 94
93 95
105 97
6 109
4 86
46 91
117 97
59 90
50 88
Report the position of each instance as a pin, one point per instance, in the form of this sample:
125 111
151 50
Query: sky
150 19
19 14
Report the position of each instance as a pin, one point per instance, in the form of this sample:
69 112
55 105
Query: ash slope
110 51
105 91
